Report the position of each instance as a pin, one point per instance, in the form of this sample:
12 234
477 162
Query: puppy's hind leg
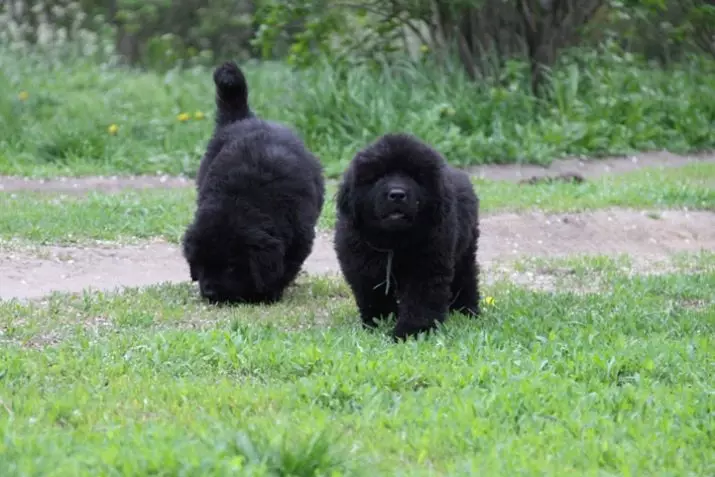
231 94
465 287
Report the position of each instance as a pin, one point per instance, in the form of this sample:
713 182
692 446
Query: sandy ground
31 272
35 271
588 168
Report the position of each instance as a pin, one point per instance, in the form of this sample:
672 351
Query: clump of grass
159 121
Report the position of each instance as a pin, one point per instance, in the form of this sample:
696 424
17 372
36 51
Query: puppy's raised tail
231 94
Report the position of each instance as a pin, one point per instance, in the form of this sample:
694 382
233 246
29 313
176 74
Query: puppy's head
234 260
393 185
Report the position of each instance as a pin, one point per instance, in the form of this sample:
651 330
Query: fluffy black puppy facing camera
406 235
260 193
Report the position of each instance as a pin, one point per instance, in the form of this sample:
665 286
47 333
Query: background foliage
483 80
483 34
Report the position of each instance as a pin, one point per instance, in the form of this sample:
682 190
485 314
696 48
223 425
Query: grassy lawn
605 107
52 218
153 382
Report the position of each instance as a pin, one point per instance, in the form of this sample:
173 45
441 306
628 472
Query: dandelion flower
183 117
489 300
113 129
199 115
23 95
447 111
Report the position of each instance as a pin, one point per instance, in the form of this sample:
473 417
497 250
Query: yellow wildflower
447 111
424 48
199 115
113 129
183 117
23 95
489 300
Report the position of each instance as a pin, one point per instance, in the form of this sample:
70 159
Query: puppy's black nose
397 194
209 292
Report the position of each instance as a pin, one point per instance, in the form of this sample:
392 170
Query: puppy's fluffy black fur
260 193
403 211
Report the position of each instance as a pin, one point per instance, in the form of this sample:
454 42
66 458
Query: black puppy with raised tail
406 235
260 193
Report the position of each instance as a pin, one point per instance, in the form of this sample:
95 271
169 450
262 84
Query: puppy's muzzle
210 292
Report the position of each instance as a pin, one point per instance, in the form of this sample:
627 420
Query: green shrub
597 103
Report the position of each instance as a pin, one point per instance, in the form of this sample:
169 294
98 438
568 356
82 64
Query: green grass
153 382
52 218
594 273
606 106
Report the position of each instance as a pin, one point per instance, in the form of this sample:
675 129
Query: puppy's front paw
405 329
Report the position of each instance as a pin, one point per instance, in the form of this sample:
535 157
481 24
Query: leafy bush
157 34
599 103
484 36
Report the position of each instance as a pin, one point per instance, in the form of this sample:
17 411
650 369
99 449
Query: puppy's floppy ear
266 261
193 273
345 202
200 236
188 249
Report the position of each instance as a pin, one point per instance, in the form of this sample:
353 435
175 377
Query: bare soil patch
586 168
649 237
80 185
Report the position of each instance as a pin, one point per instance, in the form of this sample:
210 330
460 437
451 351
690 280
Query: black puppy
260 193
406 235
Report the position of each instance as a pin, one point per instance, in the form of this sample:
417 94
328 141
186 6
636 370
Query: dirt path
589 168
78 185
37 271
31 272
507 172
